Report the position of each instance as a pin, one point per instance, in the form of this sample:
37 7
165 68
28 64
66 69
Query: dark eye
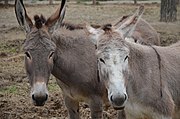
101 60
51 54
28 55
125 58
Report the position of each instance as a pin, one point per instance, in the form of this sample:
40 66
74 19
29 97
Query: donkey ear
94 33
120 21
127 28
55 20
22 17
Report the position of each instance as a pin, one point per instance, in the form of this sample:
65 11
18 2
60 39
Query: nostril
122 98
46 97
125 97
33 97
40 98
118 100
111 98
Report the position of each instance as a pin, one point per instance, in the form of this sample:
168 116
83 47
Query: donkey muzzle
39 94
118 101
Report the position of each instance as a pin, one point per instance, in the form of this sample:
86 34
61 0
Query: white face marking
40 88
129 39
112 64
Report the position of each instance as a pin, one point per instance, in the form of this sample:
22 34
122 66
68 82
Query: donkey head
113 53
39 48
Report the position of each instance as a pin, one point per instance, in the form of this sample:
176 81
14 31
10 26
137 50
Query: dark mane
107 27
39 21
72 27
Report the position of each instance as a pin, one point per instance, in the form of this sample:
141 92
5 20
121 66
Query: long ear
55 20
22 17
94 33
128 27
120 21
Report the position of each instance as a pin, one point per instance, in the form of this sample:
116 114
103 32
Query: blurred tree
168 11
33 1
178 1
50 2
94 2
135 1
6 2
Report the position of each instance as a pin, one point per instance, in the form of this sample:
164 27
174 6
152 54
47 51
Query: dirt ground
15 102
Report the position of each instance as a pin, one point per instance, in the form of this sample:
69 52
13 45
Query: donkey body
144 86
142 80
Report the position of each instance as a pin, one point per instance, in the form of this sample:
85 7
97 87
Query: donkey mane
107 27
72 27
39 21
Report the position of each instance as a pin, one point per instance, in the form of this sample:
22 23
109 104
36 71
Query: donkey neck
144 69
67 39
76 63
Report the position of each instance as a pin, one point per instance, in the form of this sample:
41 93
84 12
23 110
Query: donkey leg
96 108
121 114
72 107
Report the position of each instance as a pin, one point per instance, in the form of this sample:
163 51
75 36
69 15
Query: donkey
142 80
68 55
144 33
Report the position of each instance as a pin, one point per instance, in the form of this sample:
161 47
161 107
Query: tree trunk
94 2
135 1
50 2
178 2
168 11
6 2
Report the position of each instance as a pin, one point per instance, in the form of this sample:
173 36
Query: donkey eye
51 54
28 55
125 58
101 60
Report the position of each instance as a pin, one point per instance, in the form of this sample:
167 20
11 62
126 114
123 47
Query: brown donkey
143 80
68 55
